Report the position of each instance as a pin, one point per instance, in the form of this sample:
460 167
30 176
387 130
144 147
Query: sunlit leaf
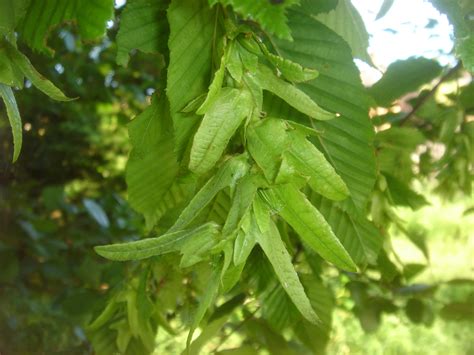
310 225
291 94
270 14
280 259
217 127
227 175
142 249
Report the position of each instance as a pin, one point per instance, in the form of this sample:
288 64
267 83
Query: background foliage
374 204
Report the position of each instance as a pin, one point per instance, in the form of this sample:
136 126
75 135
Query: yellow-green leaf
311 226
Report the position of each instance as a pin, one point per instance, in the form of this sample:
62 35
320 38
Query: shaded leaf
40 82
346 21
42 17
357 234
402 77
152 166
207 299
14 117
190 44
142 27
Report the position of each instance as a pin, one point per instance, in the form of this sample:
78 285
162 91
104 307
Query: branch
425 97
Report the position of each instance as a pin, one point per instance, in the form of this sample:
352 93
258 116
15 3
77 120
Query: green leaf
241 201
234 63
152 166
217 128
210 293
358 235
227 175
278 309
167 243
402 77
10 74
216 321
321 298
271 16
310 162
245 240
345 20
14 117
458 311
401 194
316 337
42 17
266 142
280 259
142 27
347 140
460 15
290 93
191 42
310 225
214 88
40 82
197 248
386 6
11 11
290 70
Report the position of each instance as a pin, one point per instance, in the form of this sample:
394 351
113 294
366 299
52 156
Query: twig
425 97
240 325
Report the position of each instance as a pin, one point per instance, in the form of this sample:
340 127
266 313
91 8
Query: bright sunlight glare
410 28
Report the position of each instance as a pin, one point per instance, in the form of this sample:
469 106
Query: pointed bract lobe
218 126
310 225
276 252
227 175
145 248
39 81
291 94
310 162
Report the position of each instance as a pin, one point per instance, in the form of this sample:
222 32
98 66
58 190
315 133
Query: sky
403 32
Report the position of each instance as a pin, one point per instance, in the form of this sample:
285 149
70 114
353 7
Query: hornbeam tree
261 177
